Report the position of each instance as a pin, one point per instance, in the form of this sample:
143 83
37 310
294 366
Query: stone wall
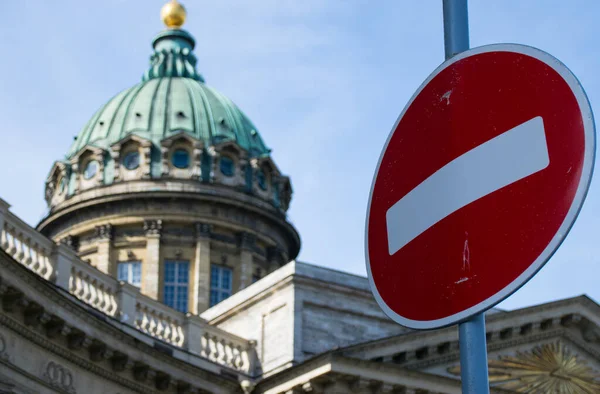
301 310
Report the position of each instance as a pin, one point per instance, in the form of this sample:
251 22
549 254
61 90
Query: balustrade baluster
11 248
3 238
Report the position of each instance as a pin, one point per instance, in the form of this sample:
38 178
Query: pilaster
275 258
247 241
201 273
151 267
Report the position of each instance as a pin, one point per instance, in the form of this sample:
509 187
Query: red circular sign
479 182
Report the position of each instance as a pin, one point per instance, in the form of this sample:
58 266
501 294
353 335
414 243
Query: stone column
104 235
201 274
247 242
151 266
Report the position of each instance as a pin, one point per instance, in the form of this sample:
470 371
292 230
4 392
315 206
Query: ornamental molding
203 230
230 147
141 141
105 231
72 241
59 377
153 226
95 151
491 345
549 367
550 315
59 168
47 292
273 230
199 191
3 349
65 354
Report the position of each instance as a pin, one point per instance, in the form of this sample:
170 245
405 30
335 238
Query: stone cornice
249 302
157 189
382 319
37 290
334 366
300 273
60 351
32 378
238 211
538 313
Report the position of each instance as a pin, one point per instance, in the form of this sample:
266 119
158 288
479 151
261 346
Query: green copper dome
172 98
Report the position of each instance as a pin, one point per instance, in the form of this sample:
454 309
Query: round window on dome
227 166
91 169
180 158
262 180
131 161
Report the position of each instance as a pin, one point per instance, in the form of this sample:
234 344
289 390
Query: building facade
166 263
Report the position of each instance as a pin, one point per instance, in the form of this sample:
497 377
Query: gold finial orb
173 14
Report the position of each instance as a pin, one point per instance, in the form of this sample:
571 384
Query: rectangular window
220 283
175 292
131 272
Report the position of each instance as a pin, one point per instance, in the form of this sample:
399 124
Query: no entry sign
479 182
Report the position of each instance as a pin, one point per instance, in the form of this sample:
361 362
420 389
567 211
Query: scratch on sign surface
461 280
447 97
466 254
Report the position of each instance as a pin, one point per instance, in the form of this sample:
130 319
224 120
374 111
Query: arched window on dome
91 169
227 166
131 160
180 158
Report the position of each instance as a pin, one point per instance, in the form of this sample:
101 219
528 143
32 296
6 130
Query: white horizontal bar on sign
505 159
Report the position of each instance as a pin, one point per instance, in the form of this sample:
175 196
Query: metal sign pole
473 347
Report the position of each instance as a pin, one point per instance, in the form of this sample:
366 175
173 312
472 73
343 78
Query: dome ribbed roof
160 107
171 98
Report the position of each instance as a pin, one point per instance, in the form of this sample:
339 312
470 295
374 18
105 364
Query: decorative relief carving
59 377
106 231
153 227
203 230
549 368
71 241
3 345
247 241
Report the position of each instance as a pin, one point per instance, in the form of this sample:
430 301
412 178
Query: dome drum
226 164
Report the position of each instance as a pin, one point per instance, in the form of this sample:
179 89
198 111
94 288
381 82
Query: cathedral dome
172 171
172 98
170 125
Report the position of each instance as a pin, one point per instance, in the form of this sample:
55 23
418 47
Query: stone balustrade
120 300
24 243
94 288
160 321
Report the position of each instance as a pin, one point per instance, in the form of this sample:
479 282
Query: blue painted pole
471 333
473 356
456 27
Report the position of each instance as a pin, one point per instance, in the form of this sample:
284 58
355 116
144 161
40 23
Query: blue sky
324 81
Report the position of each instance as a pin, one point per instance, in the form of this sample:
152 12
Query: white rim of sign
582 188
